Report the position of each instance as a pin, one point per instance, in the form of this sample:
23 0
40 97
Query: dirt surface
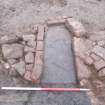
17 16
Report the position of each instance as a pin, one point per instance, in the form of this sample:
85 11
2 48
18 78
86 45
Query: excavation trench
58 56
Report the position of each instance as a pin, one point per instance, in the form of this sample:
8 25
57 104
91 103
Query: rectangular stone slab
58 57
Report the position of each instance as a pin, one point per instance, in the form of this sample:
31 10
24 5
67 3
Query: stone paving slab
59 66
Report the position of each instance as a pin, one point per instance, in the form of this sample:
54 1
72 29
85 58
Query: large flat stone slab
59 66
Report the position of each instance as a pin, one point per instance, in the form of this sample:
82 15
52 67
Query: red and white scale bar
46 89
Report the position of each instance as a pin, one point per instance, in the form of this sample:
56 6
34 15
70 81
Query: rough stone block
29 37
29 57
40 35
75 27
12 51
8 39
82 70
20 67
40 45
100 51
29 49
99 64
95 57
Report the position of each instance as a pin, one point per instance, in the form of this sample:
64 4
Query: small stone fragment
29 37
99 64
40 46
29 49
29 57
101 73
100 51
40 35
11 51
20 67
75 27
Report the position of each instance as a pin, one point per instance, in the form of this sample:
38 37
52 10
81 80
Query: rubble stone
29 37
29 49
75 27
29 57
100 51
8 39
20 67
95 57
12 51
101 72
27 75
99 64
82 69
32 44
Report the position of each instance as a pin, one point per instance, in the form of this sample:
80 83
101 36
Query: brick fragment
40 35
40 45
38 66
56 21
75 27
